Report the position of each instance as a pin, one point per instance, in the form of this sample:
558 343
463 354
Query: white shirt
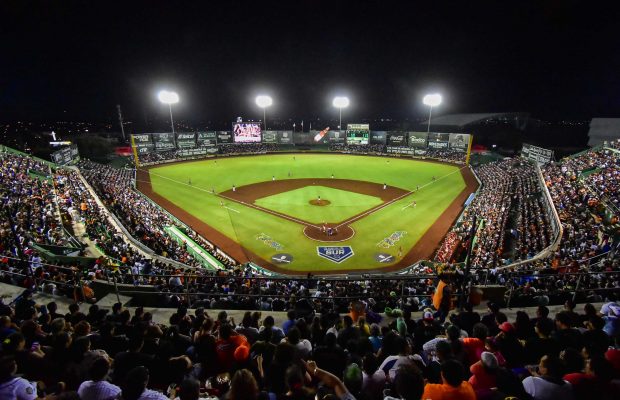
18 389
541 389
100 390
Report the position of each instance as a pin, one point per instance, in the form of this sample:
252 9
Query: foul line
381 207
287 217
232 209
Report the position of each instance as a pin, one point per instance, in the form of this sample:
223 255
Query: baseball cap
506 327
427 316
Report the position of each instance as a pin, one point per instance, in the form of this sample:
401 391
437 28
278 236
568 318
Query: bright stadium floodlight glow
264 102
169 98
431 100
340 102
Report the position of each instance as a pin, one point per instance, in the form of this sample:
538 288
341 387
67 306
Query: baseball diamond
274 193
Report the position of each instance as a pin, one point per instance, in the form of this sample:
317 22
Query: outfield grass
244 224
343 204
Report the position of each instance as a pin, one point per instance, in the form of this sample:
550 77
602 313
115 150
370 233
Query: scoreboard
358 134
66 156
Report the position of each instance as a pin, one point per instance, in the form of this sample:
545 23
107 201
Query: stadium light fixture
340 102
169 98
264 102
431 100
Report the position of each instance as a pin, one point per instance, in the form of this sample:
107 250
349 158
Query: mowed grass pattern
243 224
296 203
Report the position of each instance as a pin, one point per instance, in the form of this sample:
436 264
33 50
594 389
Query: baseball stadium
309 200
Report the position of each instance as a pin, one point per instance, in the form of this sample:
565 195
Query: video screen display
247 133
358 137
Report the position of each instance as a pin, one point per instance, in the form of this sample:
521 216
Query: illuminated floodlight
340 102
169 98
431 100
264 101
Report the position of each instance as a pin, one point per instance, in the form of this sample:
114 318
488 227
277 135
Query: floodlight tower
431 100
264 102
340 102
169 98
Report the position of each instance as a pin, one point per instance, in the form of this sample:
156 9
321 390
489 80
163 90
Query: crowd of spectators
447 155
95 354
144 220
512 223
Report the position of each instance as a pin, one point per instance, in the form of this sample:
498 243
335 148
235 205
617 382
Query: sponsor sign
282 258
335 254
378 137
358 127
397 139
268 241
270 137
417 139
68 155
206 139
538 154
186 140
144 138
400 150
224 137
384 258
392 239
285 137
163 141
336 137
438 140
459 141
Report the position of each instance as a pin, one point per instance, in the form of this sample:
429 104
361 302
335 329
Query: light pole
264 102
169 98
340 102
431 100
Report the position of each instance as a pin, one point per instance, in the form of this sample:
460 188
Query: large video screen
245 133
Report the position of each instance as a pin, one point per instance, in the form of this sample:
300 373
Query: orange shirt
464 391
437 297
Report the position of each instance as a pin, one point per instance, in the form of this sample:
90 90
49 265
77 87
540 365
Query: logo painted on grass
384 258
266 239
392 239
336 254
282 258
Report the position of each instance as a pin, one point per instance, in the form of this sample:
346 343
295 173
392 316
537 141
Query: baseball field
319 213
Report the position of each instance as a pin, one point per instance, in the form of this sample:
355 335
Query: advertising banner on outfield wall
417 139
459 141
270 137
186 140
143 143
285 137
438 140
397 139
378 137
304 137
399 150
336 137
164 141
224 137
206 139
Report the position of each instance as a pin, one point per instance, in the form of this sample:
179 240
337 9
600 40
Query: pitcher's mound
321 202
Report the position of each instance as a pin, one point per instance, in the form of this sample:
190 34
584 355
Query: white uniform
19 389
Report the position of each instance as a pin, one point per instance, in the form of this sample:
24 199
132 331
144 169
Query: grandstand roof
462 120
603 129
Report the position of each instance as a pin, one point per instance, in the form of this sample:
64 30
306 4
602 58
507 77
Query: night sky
67 60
